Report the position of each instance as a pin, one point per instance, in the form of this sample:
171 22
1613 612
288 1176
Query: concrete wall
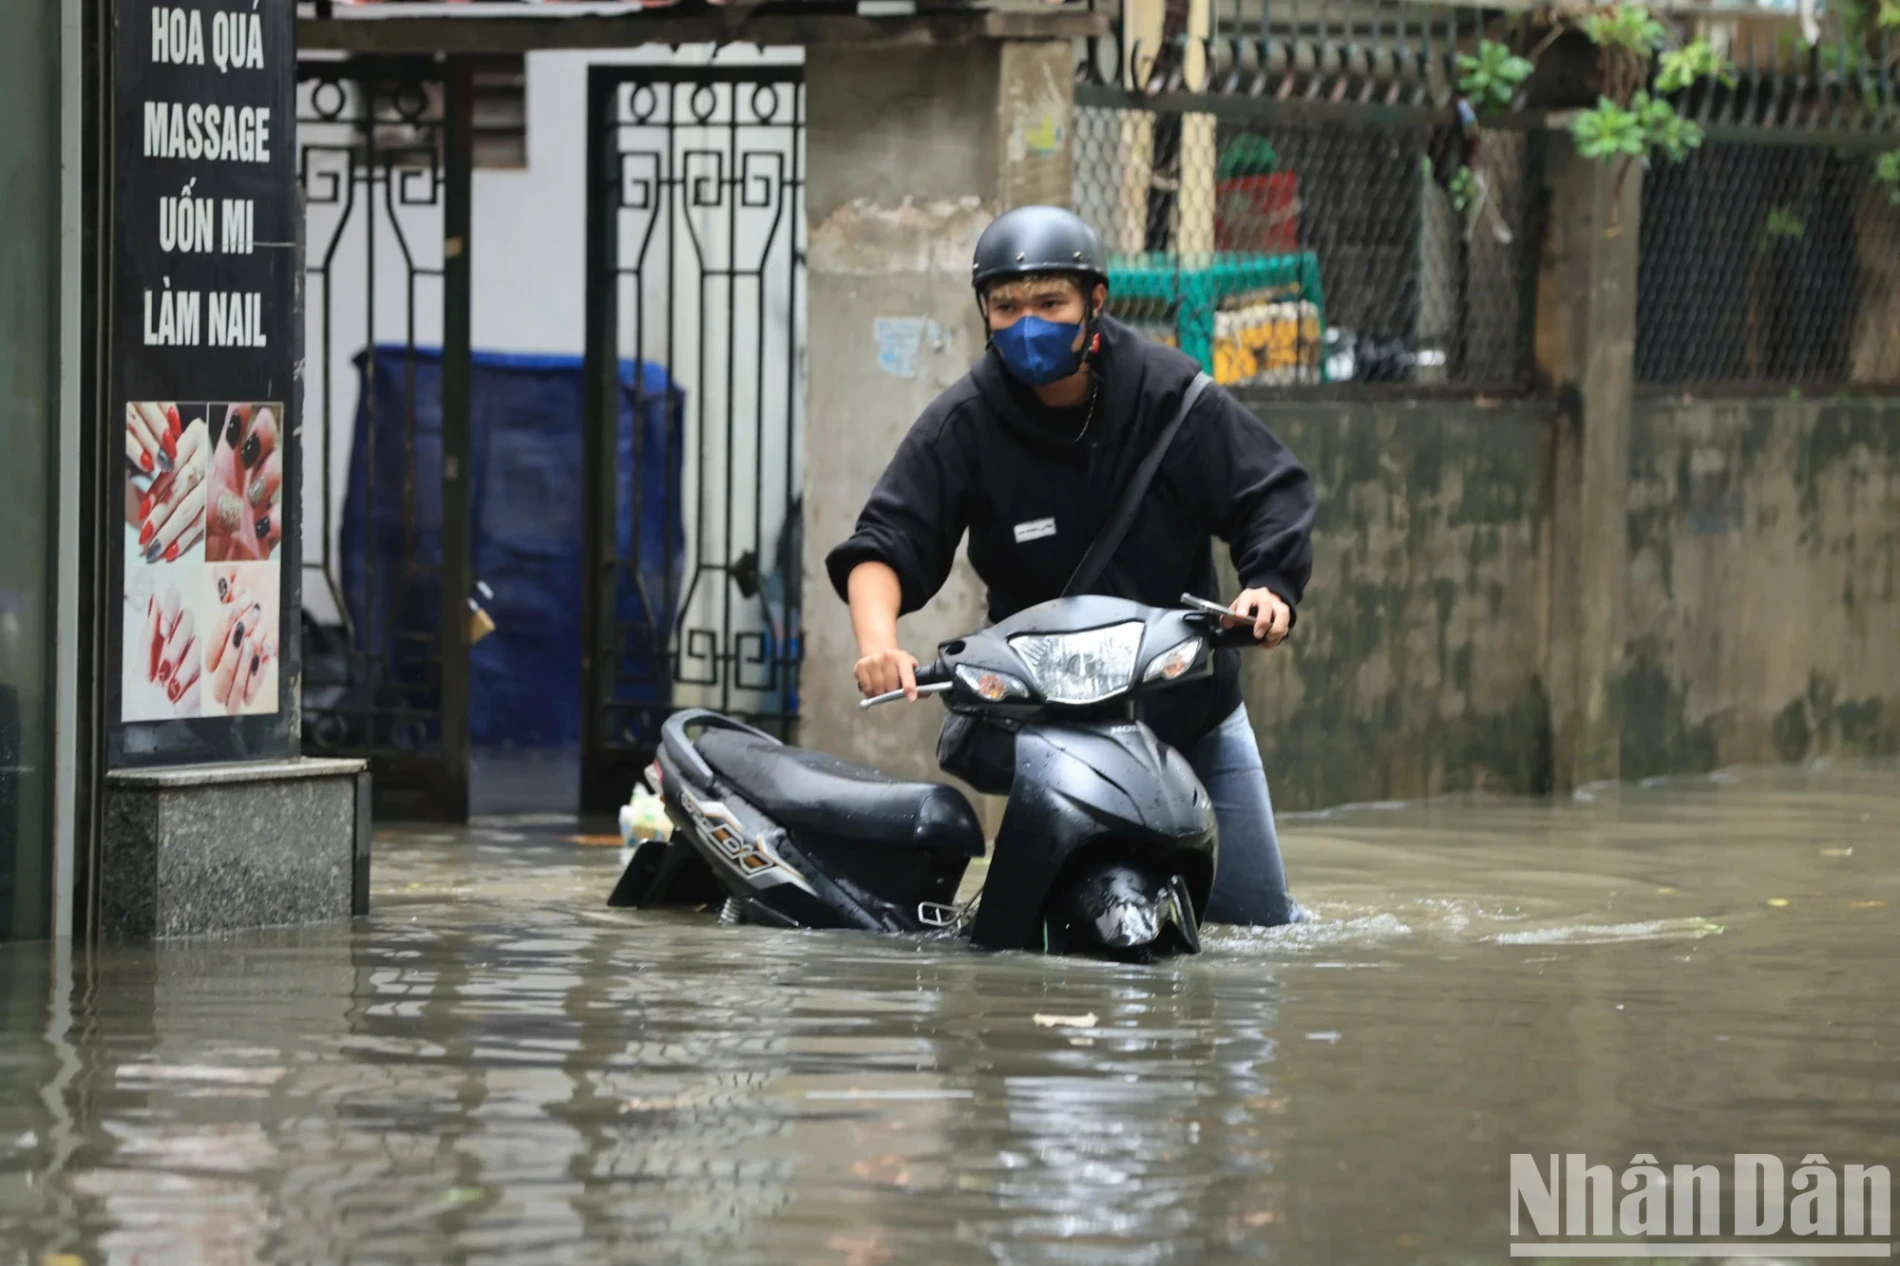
1417 664
1760 615
1764 585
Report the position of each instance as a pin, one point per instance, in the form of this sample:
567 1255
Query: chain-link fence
1329 250
1768 265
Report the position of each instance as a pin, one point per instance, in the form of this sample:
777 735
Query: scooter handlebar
932 679
1220 637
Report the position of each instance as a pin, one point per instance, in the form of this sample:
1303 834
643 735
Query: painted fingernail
263 527
146 534
171 552
170 445
260 493
230 513
174 691
171 416
152 552
237 634
232 430
145 508
164 672
165 463
145 462
224 589
255 661
253 449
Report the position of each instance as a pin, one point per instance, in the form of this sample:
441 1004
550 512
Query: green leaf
1491 77
1695 60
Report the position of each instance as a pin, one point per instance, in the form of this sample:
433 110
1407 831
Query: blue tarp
525 501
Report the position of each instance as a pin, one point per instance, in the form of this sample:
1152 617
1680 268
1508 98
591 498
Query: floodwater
496 1067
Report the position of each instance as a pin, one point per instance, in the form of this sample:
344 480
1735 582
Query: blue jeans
1250 881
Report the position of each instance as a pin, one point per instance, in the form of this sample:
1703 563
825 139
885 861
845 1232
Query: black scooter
1107 844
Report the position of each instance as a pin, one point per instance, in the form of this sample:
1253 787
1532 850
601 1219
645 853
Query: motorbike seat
810 793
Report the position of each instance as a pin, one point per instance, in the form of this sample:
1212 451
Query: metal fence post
457 574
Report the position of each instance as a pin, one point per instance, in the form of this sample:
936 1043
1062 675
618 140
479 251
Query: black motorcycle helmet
1032 240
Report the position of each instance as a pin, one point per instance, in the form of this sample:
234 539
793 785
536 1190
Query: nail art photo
168 453
246 520
163 654
240 658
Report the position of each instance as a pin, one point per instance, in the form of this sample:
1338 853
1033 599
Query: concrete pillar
210 821
1586 341
911 152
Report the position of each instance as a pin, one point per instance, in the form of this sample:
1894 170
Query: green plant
1783 225
1608 131
1681 67
1647 125
1463 189
1889 16
1492 78
1627 27
1629 124
1664 130
1887 173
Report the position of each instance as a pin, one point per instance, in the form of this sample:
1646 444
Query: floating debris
1066 1021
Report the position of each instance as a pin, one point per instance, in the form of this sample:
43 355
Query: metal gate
385 165
695 353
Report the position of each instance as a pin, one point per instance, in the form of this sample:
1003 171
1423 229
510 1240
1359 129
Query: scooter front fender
1082 786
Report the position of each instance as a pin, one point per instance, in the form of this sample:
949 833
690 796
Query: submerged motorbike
1107 844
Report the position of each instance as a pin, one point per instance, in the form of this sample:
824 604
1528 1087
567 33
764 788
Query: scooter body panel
1088 793
786 879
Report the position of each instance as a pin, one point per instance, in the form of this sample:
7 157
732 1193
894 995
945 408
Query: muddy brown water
496 1068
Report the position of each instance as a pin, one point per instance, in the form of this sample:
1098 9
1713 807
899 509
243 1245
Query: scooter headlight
1081 668
991 685
1172 663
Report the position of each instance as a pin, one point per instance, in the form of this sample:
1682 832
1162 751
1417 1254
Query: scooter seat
810 793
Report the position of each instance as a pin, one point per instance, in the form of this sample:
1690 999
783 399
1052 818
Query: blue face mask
1039 352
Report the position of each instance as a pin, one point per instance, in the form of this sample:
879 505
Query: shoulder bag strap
1096 560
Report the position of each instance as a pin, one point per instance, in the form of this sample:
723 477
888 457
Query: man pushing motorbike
1030 452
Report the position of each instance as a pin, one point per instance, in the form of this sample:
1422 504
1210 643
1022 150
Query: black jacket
986 457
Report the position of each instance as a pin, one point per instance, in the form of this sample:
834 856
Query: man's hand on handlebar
887 671
1271 617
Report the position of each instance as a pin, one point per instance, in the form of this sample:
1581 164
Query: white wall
529 284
